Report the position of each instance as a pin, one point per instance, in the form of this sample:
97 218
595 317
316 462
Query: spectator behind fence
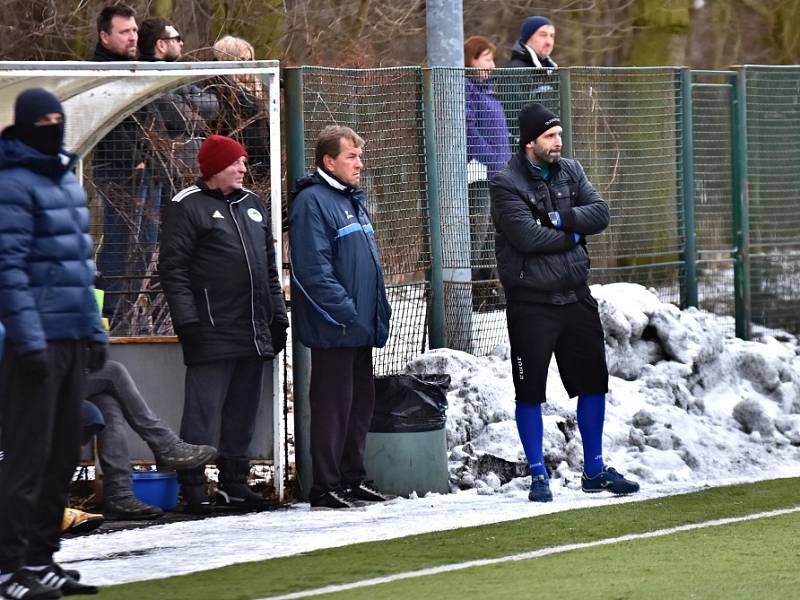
533 50
53 334
544 207
488 150
243 113
118 171
218 270
341 313
114 392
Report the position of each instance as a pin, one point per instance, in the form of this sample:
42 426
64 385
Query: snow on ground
687 408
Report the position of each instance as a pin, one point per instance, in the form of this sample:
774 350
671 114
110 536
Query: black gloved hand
96 354
278 332
189 334
33 366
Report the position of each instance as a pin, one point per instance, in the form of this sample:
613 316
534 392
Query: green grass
373 559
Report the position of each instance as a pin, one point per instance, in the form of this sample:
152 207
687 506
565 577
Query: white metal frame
105 93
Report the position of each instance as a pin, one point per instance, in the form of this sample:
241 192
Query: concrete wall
158 370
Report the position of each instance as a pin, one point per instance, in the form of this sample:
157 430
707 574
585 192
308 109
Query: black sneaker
185 456
365 492
56 578
130 508
332 499
237 497
25 585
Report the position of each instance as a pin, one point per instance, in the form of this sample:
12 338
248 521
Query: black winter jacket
521 57
217 268
537 262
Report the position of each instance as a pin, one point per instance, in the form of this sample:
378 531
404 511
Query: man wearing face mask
53 335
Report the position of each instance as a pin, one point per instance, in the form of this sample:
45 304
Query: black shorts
572 332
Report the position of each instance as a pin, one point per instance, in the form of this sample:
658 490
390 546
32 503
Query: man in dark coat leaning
218 271
340 312
54 334
543 207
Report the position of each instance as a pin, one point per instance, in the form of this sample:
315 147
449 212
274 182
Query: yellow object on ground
77 521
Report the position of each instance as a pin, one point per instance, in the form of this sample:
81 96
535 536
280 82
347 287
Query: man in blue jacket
53 334
340 312
543 207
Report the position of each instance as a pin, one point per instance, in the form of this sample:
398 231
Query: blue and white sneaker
608 480
540 489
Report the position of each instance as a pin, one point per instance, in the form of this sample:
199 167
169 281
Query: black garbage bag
410 403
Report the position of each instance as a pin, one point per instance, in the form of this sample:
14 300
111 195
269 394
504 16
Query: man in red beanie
217 267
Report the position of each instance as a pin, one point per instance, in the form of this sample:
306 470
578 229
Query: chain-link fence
141 164
773 177
384 106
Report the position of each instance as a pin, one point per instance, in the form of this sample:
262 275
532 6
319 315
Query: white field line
527 555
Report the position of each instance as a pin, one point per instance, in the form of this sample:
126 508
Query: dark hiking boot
130 508
196 500
185 456
365 492
56 578
330 500
25 585
608 480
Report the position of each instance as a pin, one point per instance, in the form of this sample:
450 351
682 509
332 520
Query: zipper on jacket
208 307
249 271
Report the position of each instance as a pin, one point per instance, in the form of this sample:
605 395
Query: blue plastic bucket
156 487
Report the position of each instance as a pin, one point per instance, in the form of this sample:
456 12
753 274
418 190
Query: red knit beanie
218 153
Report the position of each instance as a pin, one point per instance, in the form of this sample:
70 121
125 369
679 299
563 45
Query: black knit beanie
534 120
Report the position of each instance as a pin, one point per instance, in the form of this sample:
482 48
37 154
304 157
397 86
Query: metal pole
301 356
437 338
445 33
689 228
565 100
741 204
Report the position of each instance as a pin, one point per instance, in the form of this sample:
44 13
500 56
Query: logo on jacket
255 215
217 215
347 214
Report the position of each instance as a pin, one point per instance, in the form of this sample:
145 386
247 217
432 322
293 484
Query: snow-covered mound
686 401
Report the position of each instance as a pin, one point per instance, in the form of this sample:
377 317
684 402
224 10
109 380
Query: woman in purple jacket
488 151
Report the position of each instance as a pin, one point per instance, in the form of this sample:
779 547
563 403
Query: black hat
534 120
33 104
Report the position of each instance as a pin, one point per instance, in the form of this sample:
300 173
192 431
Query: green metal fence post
687 172
301 356
437 336
565 101
740 198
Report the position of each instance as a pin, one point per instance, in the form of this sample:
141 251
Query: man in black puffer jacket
543 207
218 270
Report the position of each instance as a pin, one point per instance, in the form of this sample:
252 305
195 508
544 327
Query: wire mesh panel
626 134
713 194
145 160
384 106
773 156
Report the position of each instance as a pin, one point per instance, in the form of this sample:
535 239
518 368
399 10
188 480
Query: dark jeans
40 438
222 395
114 392
342 397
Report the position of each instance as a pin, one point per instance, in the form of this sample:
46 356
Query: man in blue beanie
53 335
536 40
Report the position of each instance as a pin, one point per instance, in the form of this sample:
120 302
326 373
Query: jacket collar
103 54
14 153
216 193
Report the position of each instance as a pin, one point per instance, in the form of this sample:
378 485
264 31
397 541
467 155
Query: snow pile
685 404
